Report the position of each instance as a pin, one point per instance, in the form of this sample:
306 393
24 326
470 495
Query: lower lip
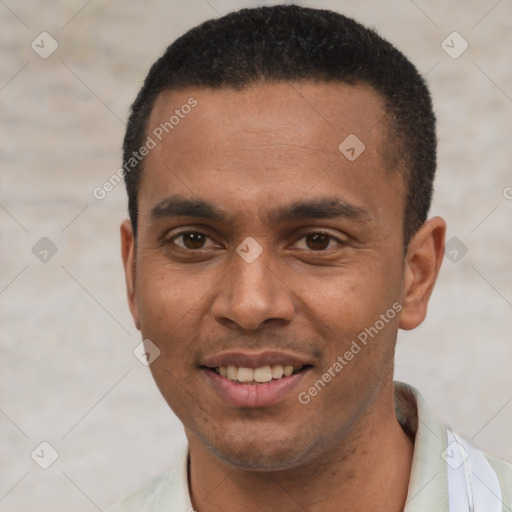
254 395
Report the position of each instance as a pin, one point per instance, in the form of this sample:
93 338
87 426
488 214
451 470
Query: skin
247 152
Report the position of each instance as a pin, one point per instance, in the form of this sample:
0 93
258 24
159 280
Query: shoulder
145 496
167 491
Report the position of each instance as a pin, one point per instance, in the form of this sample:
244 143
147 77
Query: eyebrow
316 208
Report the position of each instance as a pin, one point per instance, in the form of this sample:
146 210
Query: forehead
282 109
266 141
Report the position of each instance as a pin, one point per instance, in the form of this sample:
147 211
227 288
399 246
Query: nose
253 294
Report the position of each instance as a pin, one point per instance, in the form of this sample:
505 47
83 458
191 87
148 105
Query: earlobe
128 250
422 264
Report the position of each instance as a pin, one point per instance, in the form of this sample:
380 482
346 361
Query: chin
252 460
259 453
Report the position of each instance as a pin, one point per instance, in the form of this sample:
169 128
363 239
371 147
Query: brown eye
317 241
191 240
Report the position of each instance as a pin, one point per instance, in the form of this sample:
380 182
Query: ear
128 253
422 263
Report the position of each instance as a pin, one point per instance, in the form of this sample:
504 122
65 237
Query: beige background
68 375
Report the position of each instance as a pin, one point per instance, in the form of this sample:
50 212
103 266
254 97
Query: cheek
165 294
359 291
163 305
348 304
164 311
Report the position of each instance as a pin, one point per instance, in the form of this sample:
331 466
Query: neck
367 469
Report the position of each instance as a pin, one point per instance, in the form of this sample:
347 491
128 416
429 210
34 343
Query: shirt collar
428 483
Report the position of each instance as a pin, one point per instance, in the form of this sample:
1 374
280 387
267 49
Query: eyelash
171 240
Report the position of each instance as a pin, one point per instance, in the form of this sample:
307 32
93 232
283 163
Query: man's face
306 252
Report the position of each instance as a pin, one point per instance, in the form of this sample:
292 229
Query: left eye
319 241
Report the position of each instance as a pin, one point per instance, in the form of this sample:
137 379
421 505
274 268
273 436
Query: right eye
189 240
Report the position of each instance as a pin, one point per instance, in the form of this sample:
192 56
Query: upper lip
259 359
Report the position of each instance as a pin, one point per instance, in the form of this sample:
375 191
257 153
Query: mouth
260 375
255 379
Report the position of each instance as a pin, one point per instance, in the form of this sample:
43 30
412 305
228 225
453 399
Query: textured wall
68 374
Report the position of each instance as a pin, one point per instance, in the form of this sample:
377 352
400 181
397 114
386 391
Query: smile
256 375
245 387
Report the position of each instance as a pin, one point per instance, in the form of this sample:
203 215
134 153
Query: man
279 164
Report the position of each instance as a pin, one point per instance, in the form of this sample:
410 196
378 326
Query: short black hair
293 43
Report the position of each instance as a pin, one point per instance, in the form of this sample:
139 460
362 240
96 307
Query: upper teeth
262 374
